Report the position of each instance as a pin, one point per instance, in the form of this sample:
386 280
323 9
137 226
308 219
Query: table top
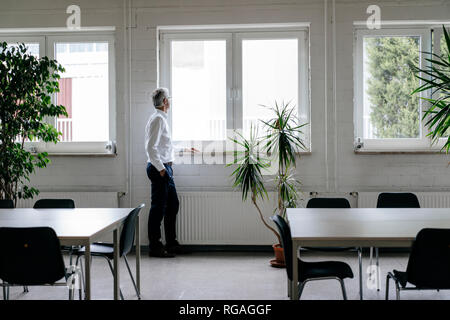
386 226
71 225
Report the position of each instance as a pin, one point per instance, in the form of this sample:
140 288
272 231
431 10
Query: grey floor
217 275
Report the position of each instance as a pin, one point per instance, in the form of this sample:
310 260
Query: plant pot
279 261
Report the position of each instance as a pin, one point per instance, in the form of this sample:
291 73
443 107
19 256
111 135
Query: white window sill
406 151
81 154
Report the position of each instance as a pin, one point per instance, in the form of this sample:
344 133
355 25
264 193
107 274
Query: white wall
331 167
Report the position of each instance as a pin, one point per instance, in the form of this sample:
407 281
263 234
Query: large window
387 116
86 88
221 81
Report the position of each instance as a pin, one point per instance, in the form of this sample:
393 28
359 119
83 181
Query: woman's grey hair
159 95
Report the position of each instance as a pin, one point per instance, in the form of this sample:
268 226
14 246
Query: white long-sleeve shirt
158 142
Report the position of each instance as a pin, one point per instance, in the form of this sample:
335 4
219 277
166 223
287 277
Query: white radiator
221 218
82 199
426 199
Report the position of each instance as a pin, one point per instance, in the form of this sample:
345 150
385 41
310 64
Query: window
218 79
199 89
86 88
387 116
83 91
270 72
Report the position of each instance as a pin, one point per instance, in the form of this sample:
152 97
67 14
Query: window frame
388 144
47 39
234 36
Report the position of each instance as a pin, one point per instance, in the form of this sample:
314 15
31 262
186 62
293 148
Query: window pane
198 90
390 111
269 74
83 91
32 48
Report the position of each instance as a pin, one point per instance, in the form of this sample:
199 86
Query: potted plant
27 84
436 78
281 143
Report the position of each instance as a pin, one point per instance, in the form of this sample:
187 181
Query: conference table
79 227
358 227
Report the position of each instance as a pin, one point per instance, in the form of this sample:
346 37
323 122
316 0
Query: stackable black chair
54 204
32 257
428 264
310 271
393 200
58 204
337 203
397 200
106 250
6 204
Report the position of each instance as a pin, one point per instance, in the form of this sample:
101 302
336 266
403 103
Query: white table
78 226
359 227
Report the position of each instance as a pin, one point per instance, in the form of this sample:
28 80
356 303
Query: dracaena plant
280 144
436 78
284 140
248 175
27 84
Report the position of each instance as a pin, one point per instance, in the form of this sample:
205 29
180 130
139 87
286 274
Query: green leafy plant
436 78
27 84
281 143
284 140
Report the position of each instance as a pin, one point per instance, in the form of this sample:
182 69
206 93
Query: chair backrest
30 256
128 231
6 204
397 200
286 242
429 261
328 203
54 204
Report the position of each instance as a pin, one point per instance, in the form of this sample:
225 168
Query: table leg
116 264
294 284
360 274
289 285
138 255
87 260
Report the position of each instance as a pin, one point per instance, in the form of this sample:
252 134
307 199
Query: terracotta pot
279 261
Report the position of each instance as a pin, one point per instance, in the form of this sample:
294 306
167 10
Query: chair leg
360 274
5 291
397 291
378 270
112 271
344 294
301 285
132 279
25 289
387 286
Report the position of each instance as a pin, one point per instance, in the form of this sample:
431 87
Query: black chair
428 264
392 200
310 271
54 204
58 204
336 203
6 204
106 250
32 257
397 200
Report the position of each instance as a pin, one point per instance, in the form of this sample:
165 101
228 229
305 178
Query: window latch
359 144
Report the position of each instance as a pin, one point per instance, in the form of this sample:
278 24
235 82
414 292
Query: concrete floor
226 275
